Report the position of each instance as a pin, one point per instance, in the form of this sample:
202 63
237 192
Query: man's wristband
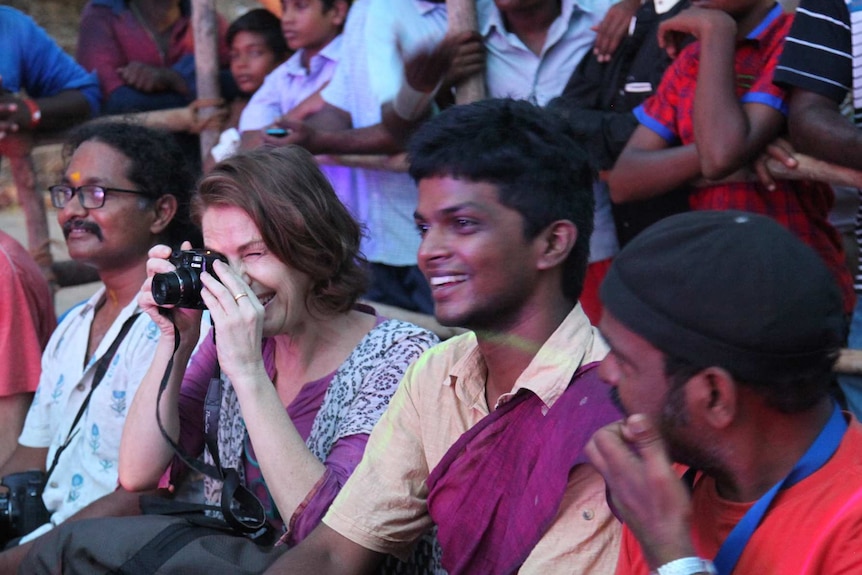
687 566
35 112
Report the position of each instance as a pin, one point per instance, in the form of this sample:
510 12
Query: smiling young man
724 329
483 437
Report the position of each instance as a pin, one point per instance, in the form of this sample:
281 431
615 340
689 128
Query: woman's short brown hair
299 217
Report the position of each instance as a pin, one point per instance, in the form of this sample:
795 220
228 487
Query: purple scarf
499 487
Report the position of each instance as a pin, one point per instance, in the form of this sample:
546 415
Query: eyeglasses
91 197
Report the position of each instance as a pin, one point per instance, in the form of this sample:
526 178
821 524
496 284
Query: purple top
519 458
342 460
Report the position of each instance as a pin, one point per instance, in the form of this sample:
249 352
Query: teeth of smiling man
441 280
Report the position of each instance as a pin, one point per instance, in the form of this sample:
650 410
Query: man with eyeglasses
125 189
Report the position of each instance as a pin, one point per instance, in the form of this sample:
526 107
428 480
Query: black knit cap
728 289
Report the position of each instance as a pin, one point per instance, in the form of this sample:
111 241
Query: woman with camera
305 371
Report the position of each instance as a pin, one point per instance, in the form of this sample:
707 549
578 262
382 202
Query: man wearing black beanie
723 330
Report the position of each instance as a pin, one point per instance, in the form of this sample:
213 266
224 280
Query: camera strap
101 370
241 508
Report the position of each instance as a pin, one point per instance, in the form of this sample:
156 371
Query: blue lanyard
818 454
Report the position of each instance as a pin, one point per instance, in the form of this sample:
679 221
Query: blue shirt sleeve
31 60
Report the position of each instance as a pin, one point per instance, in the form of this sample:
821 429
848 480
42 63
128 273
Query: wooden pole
462 16
205 28
32 202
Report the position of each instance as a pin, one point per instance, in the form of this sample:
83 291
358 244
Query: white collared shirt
87 469
288 85
513 71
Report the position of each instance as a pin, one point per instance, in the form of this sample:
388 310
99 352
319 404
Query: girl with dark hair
257 47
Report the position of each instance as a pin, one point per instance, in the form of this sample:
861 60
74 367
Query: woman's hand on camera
238 319
188 321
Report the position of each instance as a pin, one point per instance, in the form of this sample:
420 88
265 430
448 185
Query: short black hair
261 21
538 167
158 167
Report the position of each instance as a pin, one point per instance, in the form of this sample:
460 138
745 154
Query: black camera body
182 287
21 508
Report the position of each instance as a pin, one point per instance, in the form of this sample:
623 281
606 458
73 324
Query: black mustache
69 225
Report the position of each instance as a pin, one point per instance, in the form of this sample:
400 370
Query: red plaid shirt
802 207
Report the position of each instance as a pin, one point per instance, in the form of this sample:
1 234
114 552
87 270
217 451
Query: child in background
714 112
257 47
312 28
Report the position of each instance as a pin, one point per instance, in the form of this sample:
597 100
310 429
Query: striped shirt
817 51
820 53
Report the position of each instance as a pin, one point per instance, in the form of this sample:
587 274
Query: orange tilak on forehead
75 177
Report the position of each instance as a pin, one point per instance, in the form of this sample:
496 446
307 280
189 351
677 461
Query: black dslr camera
21 508
182 287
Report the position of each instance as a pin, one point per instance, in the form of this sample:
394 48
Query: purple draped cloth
499 487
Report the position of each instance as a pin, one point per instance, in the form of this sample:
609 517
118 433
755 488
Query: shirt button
80 387
54 485
588 514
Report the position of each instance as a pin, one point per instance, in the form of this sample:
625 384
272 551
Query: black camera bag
21 508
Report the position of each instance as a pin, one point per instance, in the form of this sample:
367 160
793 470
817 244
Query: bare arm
13 411
144 453
647 167
309 118
613 28
24 459
63 109
326 552
313 105
376 139
728 135
330 131
151 79
58 111
818 128
455 57
187 118
118 503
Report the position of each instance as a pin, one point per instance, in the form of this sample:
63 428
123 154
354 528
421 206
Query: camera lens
180 287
